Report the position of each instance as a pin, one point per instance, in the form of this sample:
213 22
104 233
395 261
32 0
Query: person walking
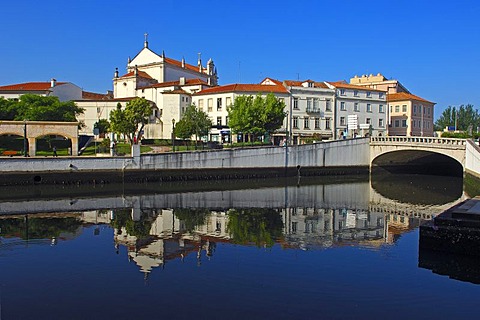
54 151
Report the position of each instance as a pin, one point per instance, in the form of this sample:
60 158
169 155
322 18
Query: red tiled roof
295 83
402 96
278 82
344 85
179 64
141 74
29 86
96 96
242 87
188 82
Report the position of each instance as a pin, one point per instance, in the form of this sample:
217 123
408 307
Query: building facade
359 111
410 115
312 111
65 91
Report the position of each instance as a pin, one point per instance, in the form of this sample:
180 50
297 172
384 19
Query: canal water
318 248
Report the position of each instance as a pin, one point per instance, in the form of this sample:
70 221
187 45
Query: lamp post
173 135
25 152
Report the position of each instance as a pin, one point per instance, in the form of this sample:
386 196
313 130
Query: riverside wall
335 157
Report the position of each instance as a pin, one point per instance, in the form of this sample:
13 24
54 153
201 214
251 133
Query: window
219 121
380 95
210 105
342 121
397 123
98 110
355 107
219 104
316 104
328 105
327 123
390 109
404 108
380 108
397 108
309 104
380 123
306 123
228 101
295 122
414 123
355 93
342 106
369 107
369 94
404 123
317 123
200 104
368 121
186 99
342 92
414 108
295 103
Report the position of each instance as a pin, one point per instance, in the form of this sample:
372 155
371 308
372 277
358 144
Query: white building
63 90
312 110
359 111
215 101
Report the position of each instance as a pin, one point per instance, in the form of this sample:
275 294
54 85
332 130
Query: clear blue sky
432 47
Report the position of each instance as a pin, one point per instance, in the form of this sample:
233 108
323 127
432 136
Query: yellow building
410 115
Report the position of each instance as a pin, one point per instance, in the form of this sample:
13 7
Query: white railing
431 141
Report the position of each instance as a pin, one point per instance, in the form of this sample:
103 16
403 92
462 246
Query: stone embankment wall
472 158
336 157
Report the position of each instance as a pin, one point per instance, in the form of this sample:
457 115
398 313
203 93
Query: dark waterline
291 251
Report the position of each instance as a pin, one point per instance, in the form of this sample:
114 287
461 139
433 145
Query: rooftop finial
145 44
199 59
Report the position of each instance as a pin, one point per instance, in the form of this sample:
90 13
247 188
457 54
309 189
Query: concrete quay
456 230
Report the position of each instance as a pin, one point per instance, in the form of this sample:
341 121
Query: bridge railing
431 141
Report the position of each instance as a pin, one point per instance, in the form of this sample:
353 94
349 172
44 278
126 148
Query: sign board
364 126
352 122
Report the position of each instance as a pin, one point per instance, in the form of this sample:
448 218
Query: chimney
182 81
116 72
53 82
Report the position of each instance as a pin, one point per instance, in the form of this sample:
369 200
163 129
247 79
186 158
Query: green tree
8 109
465 118
194 122
256 115
131 120
39 108
103 126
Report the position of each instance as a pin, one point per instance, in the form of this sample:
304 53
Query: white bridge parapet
431 142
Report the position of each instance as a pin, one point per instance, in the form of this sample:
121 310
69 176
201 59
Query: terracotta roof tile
179 64
29 86
96 96
188 82
176 91
243 87
297 83
402 96
141 74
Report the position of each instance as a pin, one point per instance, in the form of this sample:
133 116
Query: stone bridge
393 151
31 130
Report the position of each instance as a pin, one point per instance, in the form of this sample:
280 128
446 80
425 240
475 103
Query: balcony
314 110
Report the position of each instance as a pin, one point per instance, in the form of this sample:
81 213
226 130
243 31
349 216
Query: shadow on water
418 189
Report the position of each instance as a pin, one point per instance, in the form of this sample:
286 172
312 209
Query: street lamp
173 135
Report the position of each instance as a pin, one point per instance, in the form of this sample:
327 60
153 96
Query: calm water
310 250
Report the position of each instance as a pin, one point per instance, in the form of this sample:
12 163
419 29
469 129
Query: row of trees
464 118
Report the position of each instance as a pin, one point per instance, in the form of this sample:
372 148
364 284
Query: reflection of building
308 227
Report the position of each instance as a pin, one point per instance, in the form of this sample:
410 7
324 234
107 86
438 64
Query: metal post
25 152
173 135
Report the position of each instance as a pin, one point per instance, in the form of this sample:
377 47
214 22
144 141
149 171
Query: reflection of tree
38 228
123 218
192 218
259 226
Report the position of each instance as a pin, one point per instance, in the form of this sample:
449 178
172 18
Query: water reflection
157 228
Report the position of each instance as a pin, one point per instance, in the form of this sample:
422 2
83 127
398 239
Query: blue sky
432 47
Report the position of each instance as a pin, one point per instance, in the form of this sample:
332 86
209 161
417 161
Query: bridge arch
440 156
